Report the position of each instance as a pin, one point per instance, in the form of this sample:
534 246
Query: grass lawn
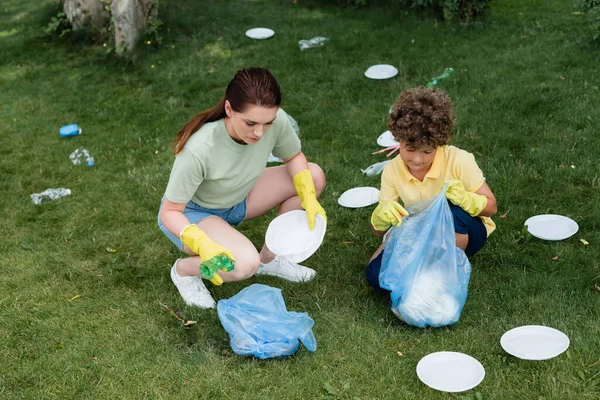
526 93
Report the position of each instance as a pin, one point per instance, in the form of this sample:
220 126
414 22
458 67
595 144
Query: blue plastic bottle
70 130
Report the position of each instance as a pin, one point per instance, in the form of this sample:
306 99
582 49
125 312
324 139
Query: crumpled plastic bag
428 276
259 324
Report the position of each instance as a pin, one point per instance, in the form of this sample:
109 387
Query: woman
219 179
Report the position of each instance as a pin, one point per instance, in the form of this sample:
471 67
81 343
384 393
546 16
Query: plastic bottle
70 130
317 41
49 195
294 125
81 154
375 169
446 74
272 158
209 268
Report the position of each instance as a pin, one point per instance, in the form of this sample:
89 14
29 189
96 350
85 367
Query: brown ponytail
210 115
250 86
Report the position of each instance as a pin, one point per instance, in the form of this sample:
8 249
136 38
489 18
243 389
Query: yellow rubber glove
387 214
305 187
472 203
197 240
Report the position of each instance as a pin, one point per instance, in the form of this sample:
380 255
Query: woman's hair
422 117
250 86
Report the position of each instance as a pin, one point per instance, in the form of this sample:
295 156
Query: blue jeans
464 224
195 213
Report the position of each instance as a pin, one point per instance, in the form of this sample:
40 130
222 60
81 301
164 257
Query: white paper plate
551 227
288 235
450 372
260 33
534 342
359 197
381 71
386 139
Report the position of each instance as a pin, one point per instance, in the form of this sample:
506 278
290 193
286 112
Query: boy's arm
472 181
491 207
478 203
376 232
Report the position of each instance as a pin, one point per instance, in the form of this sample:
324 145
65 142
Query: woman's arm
490 208
296 164
171 215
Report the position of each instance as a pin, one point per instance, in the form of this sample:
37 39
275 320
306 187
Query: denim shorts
195 213
463 223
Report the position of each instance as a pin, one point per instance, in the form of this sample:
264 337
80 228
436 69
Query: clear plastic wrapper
49 195
272 158
81 155
317 41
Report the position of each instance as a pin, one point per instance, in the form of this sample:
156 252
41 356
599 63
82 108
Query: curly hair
422 117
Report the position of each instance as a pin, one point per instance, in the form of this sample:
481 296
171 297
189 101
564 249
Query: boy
422 120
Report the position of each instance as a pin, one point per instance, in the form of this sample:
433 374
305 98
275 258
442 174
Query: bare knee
318 177
189 251
245 267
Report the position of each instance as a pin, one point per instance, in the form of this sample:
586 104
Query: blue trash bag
428 276
259 324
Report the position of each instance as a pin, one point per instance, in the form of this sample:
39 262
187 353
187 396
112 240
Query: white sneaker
287 270
192 289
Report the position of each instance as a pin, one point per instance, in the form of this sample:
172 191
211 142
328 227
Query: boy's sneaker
192 289
287 270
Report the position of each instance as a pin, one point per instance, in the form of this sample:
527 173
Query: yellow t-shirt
449 163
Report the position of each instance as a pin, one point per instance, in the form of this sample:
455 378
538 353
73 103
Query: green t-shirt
214 171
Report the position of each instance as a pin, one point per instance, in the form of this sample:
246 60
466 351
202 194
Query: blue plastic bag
422 267
259 324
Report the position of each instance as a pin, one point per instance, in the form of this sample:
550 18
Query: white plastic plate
260 33
288 235
386 139
551 227
534 342
448 371
381 71
362 196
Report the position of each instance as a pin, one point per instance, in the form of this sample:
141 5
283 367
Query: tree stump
83 14
129 17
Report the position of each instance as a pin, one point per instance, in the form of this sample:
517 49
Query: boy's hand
472 203
387 214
